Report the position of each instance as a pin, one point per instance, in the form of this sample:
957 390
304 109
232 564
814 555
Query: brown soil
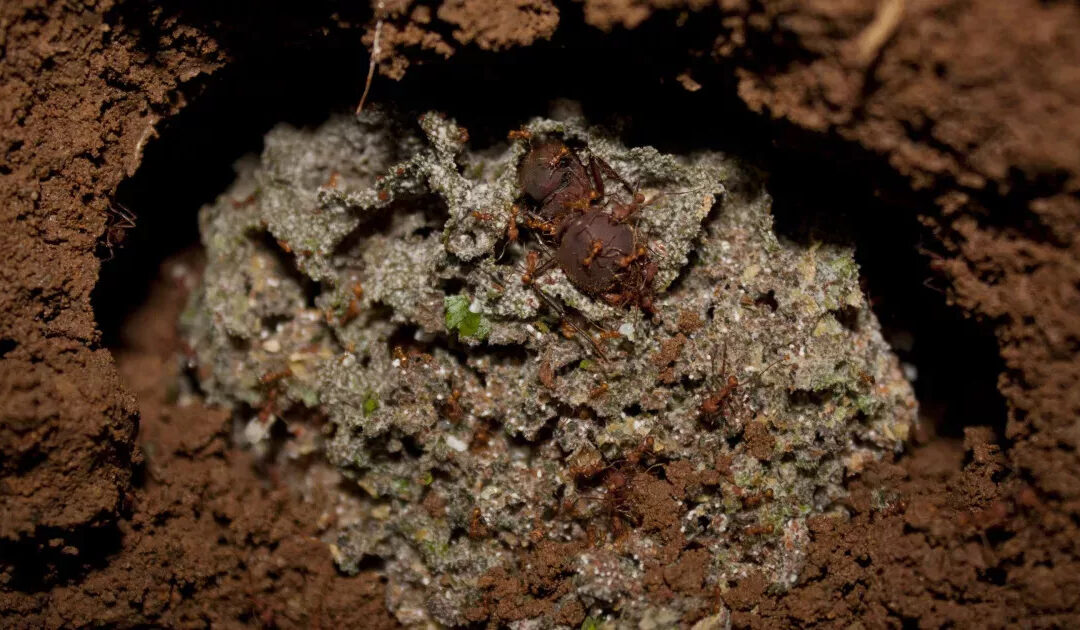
205 539
968 114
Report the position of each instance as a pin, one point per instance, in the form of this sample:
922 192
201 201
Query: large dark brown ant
596 248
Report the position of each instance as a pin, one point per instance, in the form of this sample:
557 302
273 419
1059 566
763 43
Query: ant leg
723 366
642 202
495 281
562 315
616 299
623 212
577 158
598 180
761 373
612 173
595 187
637 200
544 246
656 252
543 268
535 222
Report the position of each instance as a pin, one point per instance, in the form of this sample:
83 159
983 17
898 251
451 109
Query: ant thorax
552 339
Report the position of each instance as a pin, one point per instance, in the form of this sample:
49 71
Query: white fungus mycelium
361 294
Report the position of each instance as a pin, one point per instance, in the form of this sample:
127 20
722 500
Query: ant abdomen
546 169
591 249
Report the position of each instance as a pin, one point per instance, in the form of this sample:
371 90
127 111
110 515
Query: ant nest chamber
388 316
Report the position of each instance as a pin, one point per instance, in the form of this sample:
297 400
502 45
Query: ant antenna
758 375
661 195
723 363
497 281
656 465
610 172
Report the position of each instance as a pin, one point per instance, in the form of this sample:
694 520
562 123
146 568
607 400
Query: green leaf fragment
464 321
457 307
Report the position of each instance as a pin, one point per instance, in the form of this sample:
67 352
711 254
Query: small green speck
866 404
371 403
190 314
590 623
436 550
307 395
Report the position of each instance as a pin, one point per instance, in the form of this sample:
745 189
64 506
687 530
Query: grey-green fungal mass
360 291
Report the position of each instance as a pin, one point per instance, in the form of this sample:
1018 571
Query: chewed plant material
557 356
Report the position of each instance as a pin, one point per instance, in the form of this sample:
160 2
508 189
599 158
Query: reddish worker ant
720 399
612 484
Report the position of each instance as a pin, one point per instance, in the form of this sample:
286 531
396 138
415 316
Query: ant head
614 479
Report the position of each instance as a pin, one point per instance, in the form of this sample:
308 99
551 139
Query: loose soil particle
976 104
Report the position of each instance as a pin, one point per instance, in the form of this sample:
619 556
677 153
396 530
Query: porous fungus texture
363 305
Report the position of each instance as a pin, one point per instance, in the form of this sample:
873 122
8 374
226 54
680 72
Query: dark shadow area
190 163
843 197
824 188
58 556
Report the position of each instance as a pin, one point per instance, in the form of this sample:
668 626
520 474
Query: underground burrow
821 192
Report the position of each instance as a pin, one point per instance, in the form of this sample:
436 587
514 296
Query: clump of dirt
967 112
406 31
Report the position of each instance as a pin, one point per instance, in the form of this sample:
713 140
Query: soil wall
967 112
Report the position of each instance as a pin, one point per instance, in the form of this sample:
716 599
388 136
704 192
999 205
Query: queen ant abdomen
591 250
553 177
